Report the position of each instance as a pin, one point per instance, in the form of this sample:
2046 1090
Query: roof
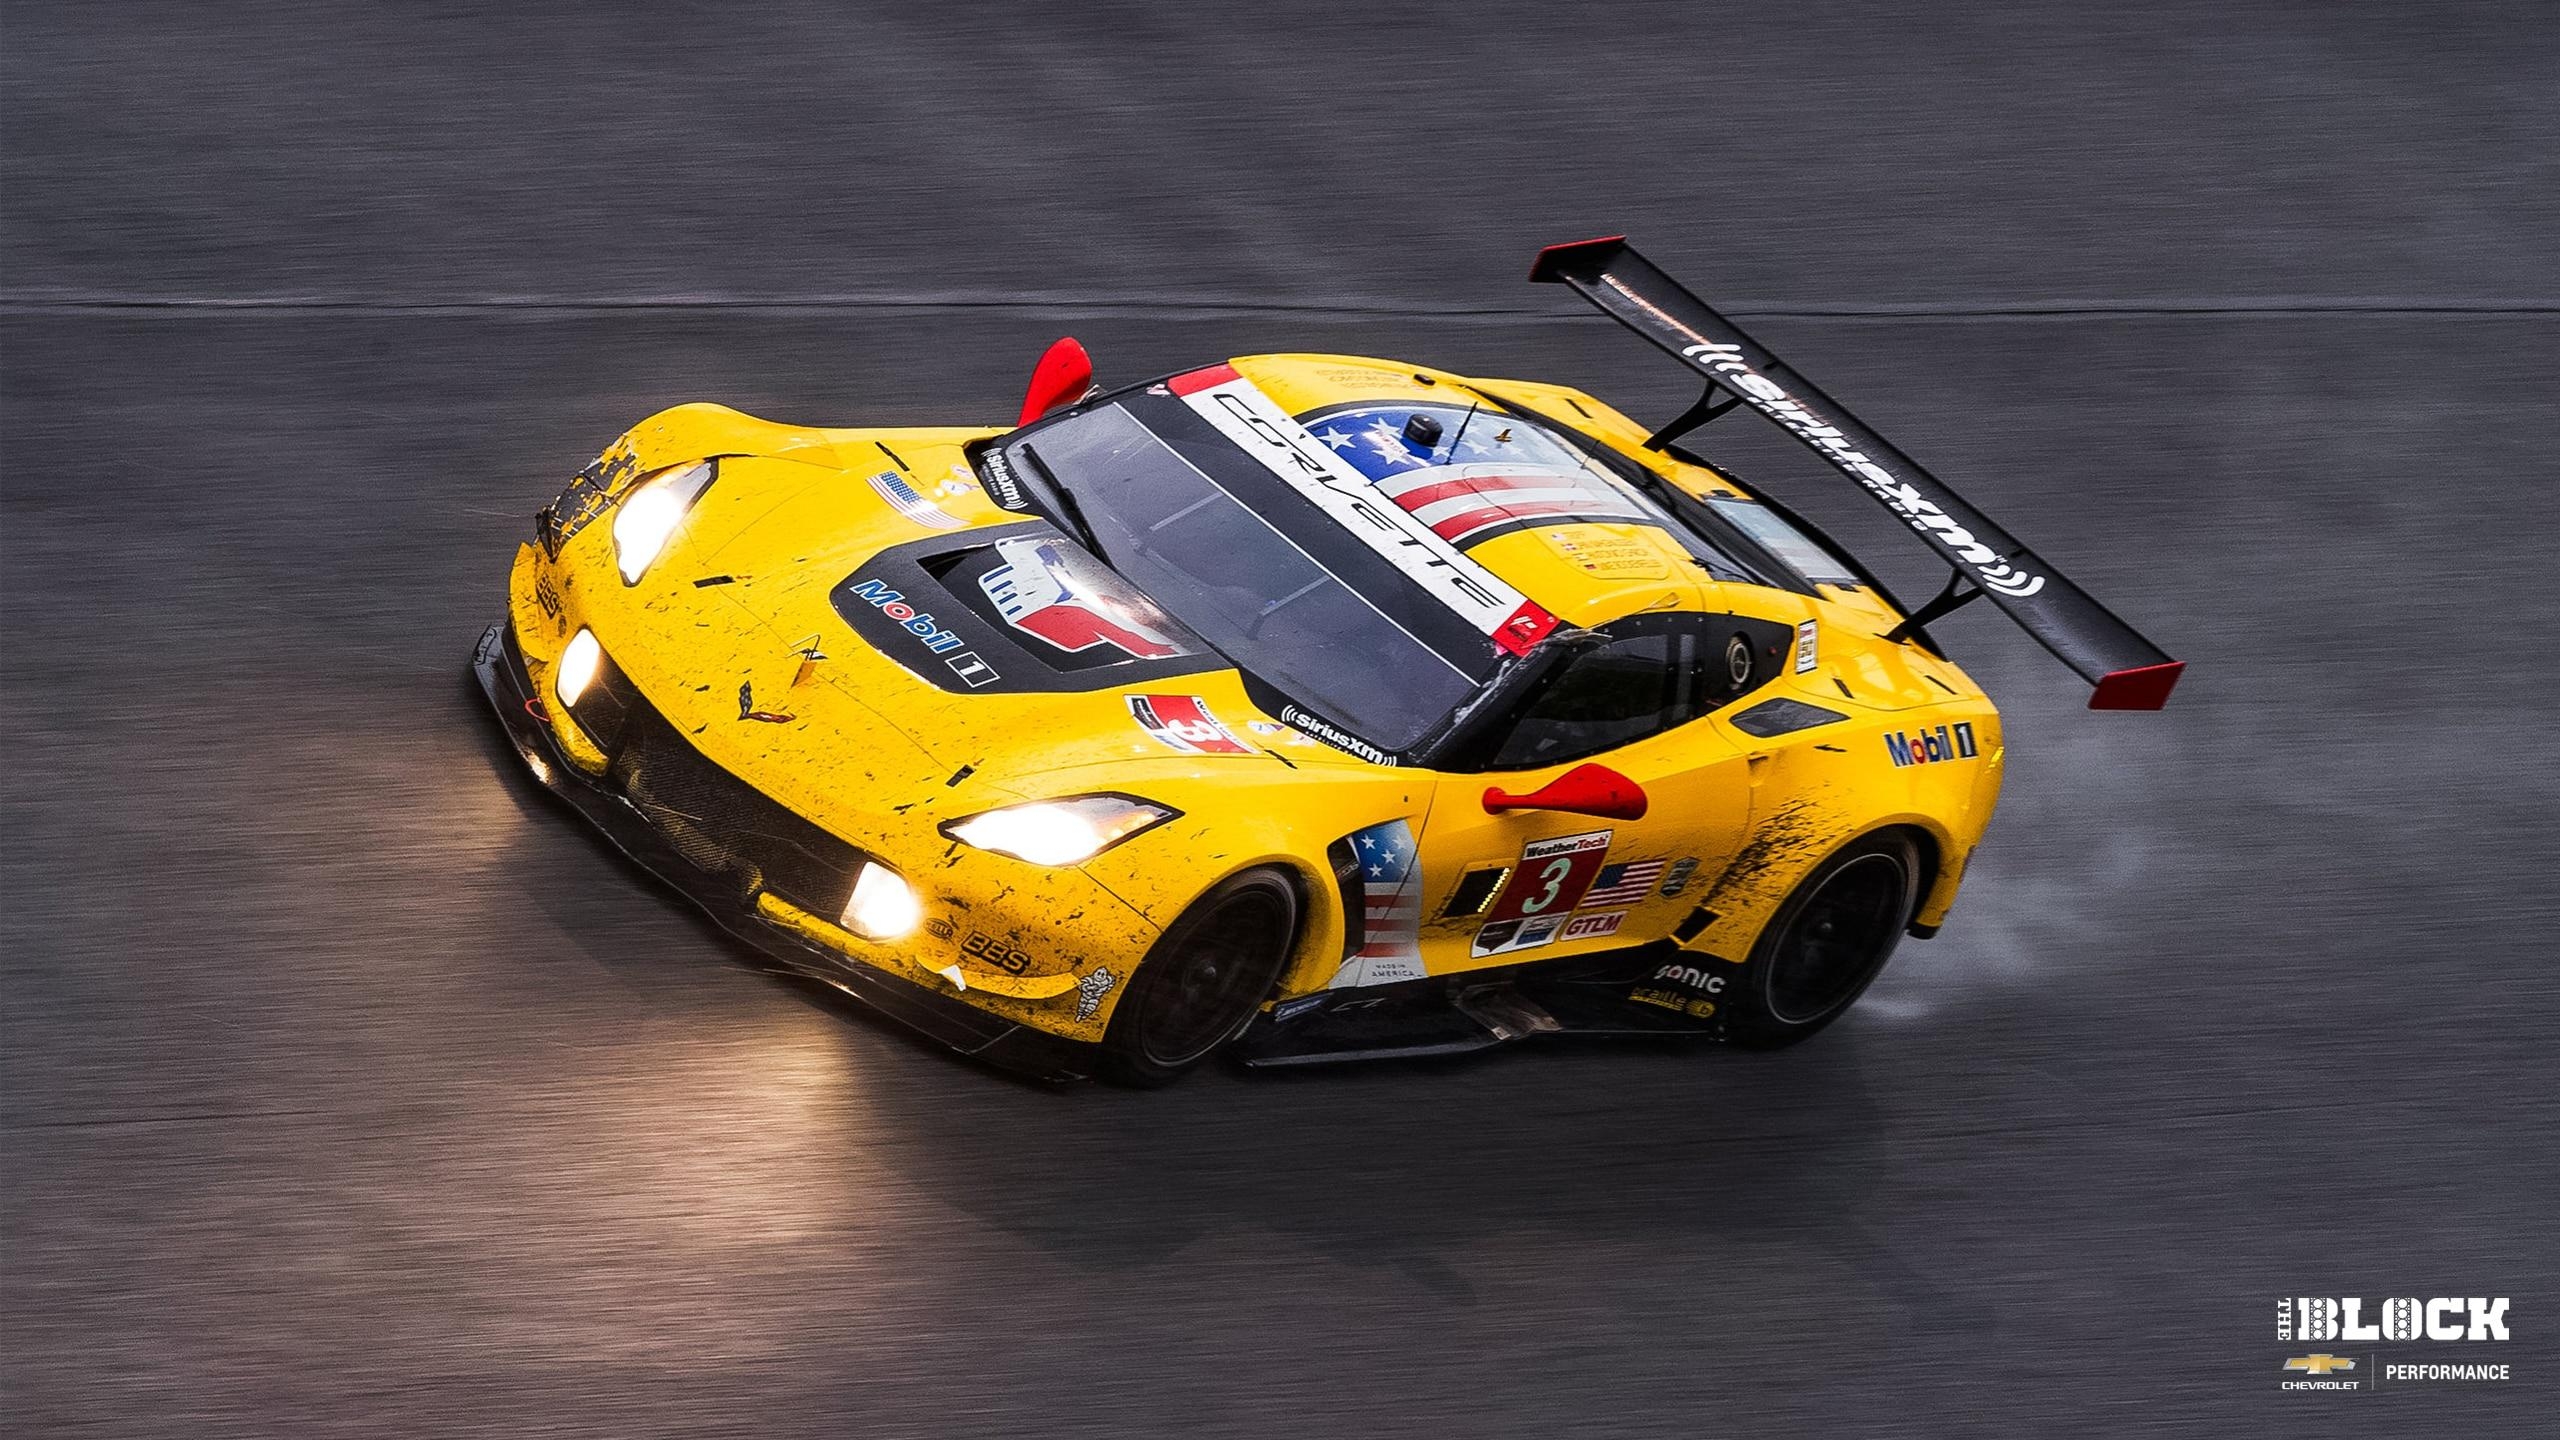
1549 523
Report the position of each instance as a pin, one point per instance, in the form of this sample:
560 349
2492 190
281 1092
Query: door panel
1571 884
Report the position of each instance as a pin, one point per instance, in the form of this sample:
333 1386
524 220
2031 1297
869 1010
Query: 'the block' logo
2402 1318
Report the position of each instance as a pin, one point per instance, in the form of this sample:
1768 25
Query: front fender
1239 816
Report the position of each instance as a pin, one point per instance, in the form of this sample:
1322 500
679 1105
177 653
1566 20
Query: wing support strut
1915 626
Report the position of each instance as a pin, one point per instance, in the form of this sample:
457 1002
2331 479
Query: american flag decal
1479 475
1623 884
906 500
1391 909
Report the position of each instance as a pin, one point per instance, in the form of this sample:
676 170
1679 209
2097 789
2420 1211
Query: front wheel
1826 943
1203 980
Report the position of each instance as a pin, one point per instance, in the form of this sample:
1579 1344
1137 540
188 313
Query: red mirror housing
1064 373
1582 790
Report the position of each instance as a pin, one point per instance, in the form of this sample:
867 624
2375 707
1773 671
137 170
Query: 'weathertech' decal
1246 416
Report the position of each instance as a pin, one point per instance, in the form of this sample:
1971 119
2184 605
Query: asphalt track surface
347 1086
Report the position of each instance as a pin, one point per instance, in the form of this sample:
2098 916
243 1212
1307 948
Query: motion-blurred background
347 1087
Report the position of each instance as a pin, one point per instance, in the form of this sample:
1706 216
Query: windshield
1179 510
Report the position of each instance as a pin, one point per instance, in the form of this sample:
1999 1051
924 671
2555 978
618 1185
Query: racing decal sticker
1184 722
1686 988
1239 410
1807 638
1468 473
1551 877
1464 503
1724 364
1391 907
1623 884
905 499
1504 936
973 672
1593 927
1051 589
1334 735
1288 1010
1091 989
894 605
1619 557
919 601
1678 879
747 707
1001 485
1929 747
965 663
1004 957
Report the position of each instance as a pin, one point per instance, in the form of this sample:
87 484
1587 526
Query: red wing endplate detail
2128 671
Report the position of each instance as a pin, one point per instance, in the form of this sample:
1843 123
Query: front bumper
963 1027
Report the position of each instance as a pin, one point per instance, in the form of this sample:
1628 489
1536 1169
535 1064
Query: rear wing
2129 672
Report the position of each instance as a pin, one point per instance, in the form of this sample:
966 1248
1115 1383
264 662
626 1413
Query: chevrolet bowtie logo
2319 1364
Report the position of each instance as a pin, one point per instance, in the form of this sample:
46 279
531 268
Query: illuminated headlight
1059 832
648 516
579 661
884 905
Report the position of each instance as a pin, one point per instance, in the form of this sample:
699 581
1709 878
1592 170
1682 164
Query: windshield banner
1246 416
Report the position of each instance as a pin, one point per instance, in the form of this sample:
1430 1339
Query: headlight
650 513
1059 832
579 661
884 905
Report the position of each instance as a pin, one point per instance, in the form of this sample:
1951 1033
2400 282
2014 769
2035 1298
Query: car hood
900 599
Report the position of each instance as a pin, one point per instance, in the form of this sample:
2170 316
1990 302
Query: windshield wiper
1068 509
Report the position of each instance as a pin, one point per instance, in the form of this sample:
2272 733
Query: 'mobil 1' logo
1929 747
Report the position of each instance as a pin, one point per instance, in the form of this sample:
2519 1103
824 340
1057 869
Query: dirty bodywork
846 642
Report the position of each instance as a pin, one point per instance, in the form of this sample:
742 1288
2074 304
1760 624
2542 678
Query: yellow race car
1317 706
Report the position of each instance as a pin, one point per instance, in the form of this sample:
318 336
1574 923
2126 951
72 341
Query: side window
1630 688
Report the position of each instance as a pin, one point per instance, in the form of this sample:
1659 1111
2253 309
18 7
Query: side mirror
1582 790
1063 375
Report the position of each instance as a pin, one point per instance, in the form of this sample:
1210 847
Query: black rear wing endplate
2127 671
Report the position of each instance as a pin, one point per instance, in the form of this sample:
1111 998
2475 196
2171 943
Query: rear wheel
1203 980
1827 943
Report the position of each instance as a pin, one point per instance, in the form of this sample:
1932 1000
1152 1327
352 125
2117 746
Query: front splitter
1000 1042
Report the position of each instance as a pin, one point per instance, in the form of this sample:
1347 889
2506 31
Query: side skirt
1585 995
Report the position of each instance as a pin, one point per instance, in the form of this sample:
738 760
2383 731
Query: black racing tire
1203 980
1827 943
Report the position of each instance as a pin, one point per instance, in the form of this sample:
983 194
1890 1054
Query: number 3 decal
1553 877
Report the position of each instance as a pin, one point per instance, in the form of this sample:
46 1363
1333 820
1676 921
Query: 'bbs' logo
2401 1318
995 952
